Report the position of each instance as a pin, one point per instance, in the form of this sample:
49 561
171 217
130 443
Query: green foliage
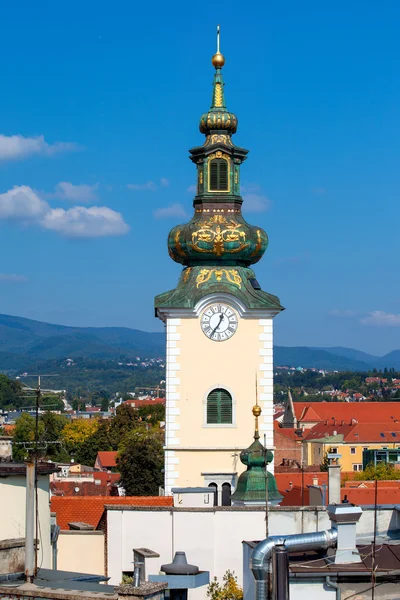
24 432
152 414
140 461
382 471
124 421
325 463
10 393
98 441
228 590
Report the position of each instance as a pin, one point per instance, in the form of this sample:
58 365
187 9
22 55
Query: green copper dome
251 487
219 238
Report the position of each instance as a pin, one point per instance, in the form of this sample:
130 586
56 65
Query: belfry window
219 407
218 175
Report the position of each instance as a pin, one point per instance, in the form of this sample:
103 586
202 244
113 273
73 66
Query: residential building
309 414
349 440
105 461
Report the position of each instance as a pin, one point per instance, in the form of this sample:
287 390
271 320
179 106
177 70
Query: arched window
226 494
219 407
218 175
215 488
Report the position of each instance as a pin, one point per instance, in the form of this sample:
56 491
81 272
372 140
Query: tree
98 441
104 404
10 393
325 463
228 590
382 471
153 413
77 431
53 426
24 432
141 461
125 420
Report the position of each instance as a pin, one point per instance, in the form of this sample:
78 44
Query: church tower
218 319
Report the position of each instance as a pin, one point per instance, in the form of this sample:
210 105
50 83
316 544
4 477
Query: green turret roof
251 487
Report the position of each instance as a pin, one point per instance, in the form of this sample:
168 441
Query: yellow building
218 319
349 440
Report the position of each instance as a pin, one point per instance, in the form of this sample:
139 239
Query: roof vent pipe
261 555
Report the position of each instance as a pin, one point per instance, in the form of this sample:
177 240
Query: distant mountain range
24 342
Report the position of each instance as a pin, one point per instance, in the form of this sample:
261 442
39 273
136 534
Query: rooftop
89 509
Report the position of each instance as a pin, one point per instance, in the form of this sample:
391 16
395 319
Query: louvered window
219 175
219 407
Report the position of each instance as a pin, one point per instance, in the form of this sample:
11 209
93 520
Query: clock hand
219 323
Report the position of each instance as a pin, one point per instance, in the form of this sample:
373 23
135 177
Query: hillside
35 340
25 343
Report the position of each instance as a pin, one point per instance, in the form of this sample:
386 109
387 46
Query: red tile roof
290 486
107 459
90 509
363 412
357 433
364 496
101 485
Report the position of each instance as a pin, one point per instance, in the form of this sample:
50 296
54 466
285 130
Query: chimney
344 518
334 478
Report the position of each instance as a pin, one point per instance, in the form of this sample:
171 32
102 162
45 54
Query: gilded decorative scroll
231 275
217 232
258 244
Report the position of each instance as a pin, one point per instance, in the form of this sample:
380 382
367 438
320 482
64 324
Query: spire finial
218 60
256 412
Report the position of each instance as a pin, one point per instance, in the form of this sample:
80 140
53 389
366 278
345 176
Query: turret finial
218 60
256 412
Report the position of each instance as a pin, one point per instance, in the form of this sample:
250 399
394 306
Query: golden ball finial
256 410
218 60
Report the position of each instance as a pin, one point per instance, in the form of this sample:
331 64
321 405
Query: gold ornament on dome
186 274
231 275
219 231
258 244
178 246
218 138
218 95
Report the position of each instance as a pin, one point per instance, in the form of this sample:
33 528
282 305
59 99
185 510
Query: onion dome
218 118
218 236
251 487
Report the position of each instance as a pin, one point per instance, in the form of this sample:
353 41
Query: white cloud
14 147
149 185
175 210
22 204
79 221
381 318
75 193
11 278
255 202
335 312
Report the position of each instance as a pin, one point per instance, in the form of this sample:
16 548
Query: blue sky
100 103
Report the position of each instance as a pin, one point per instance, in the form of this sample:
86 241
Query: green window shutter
219 407
218 175
223 175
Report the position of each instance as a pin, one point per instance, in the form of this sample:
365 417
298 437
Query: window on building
357 467
215 488
226 494
219 407
333 451
218 175
352 450
365 448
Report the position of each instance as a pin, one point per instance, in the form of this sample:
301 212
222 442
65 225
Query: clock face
219 322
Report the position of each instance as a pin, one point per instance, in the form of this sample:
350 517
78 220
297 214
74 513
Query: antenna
218 52
32 496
